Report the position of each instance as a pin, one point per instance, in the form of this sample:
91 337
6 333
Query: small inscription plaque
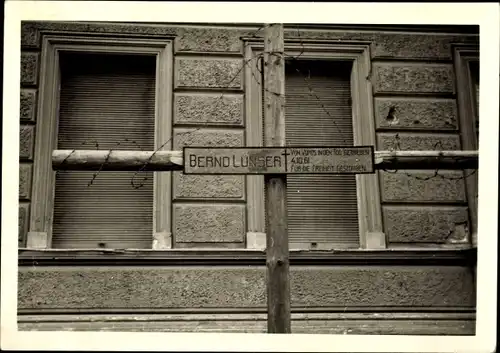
279 160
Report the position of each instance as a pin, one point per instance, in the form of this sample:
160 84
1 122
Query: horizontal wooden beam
458 160
106 160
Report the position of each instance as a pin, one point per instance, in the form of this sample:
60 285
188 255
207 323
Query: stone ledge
256 240
379 323
248 257
374 240
37 240
162 241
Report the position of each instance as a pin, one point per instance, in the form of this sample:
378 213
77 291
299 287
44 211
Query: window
466 62
112 93
322 209
324 212
106 101
474 73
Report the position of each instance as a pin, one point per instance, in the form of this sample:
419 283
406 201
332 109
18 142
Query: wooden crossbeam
105 160
426 160
162 161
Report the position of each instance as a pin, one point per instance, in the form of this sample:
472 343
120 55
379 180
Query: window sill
242 257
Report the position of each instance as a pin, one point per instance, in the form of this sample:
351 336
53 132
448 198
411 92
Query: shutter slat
475 74
109 99
321 208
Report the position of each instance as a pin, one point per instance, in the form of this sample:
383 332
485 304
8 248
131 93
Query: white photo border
484 14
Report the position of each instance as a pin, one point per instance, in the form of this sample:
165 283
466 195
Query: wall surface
412 74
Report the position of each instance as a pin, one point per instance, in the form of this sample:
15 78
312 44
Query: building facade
387 253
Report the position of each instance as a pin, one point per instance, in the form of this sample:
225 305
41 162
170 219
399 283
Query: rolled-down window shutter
321 208
106 101
474 67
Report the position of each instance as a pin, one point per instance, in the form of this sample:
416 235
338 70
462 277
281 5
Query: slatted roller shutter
321 208
477 111
474 67
108 99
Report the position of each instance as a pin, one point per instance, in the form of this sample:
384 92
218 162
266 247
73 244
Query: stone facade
23 223
26 142
209 223
203 187
414 108
25 171
208 73
207 138
422 114
417 141
242 287
28 105
209 109
208 40
413 78
29 69
208 186
431 224
422 186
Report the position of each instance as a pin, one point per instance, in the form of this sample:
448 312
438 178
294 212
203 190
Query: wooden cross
278 285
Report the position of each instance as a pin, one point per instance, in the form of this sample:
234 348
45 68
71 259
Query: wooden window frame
463 55
42 206
368 189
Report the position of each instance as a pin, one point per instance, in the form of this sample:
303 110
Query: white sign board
279 160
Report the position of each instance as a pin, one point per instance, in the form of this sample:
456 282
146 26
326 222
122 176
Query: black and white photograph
258 177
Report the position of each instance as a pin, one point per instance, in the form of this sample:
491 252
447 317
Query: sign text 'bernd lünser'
278 160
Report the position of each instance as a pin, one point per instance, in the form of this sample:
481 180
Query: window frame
368 188
463 55
39 235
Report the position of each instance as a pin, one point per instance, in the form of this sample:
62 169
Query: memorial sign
279 160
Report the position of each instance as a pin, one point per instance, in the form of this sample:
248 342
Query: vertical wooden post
278 283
